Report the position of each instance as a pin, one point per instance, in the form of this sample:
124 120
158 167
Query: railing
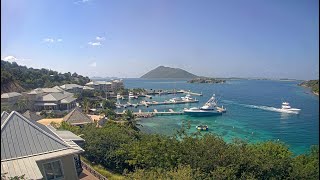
93 172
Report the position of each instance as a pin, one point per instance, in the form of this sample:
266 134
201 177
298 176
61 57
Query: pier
153 103
154 113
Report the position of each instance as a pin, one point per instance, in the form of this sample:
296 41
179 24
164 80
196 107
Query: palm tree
131 121
86 105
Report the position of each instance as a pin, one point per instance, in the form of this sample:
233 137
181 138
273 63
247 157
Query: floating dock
154 113
153 103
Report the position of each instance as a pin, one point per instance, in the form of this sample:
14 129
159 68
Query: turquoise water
250 111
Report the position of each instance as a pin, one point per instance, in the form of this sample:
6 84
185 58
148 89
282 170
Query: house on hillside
10 99
73 88
31 115
62 101
31 149
77 117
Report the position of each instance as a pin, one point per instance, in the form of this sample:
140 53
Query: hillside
313 84
167 72
20 78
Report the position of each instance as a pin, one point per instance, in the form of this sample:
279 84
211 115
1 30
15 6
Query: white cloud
81 1
94 43
59 40
100 38
49 40
94 64
20 61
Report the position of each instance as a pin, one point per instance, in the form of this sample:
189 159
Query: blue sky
127 38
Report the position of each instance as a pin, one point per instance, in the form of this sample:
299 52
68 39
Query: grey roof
10 94
70 86
55 96
31 115
68 100
77 117
20 137
4 116
25 142
88 88
66 135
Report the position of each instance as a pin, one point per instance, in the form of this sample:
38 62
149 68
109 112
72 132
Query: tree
86 105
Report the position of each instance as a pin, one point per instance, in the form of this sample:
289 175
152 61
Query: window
53 170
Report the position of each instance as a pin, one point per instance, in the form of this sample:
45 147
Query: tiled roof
77 117
70 86
21 137
4 116
31 115
24 142
10 94
55 96
68 100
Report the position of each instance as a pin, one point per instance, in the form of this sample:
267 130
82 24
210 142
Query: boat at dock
187 98
210 108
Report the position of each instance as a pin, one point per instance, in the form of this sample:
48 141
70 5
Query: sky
127 38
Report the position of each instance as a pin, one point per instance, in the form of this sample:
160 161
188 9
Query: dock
153 103
191 93
154 113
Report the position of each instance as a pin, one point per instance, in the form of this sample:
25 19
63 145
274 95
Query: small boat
118 96
210 108
187 98
202 127
287 108
131 96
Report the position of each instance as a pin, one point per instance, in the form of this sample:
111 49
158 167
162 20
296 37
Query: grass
107 173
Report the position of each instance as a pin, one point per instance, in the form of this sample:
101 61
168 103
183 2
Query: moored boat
210 108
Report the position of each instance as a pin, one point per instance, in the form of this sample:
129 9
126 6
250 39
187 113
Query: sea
251 111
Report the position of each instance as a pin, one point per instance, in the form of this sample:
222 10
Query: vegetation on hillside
30 78
313 84
167 72
206 80
122 149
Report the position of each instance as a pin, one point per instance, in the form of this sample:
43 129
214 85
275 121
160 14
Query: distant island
206 80
168 72
313 84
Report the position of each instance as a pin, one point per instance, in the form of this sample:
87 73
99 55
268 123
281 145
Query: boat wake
266 108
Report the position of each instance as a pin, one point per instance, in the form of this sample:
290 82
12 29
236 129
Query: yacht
210 108
131 96
202 127
187 98
287 108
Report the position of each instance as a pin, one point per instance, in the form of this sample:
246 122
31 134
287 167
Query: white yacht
210 108
287 108
131 96
187 98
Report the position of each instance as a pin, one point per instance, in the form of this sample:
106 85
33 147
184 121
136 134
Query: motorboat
285 107
210 108
187 98
202 127
131 96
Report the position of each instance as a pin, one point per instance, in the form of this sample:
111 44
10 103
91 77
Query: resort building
62 101
9 99
77 117
106 86
73 88
36 151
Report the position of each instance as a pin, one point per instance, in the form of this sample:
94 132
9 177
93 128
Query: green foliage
313 84
150 156
206 80
30 78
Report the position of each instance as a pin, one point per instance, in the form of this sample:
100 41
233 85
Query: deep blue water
246 117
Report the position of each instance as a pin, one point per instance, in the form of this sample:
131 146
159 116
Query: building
116 85
77 117
100 85
62 101
10 99
32 115
36 151
73 88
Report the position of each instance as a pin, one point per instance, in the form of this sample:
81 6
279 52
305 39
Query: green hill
20 78
168 72
313 84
